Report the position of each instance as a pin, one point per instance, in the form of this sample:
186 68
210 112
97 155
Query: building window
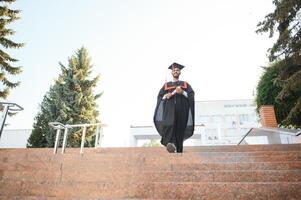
216 118
232 132
244 131
230 118
243 118
235 105
203 119
211 134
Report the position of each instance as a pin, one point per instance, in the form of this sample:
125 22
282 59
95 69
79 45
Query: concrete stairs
216 172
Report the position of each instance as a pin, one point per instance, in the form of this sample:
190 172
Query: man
174 114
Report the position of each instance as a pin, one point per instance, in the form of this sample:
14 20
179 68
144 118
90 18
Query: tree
286 52
152 143
40 126
267 90
70 101
7 16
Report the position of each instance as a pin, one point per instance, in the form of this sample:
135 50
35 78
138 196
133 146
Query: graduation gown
174 117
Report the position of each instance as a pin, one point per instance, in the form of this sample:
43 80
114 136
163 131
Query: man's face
176 72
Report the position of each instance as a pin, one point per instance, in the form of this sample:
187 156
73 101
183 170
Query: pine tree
41 127
70 101
286 51
7 16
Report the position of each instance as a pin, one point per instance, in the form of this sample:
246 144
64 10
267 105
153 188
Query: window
230 118
216 118
211 134
203 119
232 132
243 118
243 131
235 105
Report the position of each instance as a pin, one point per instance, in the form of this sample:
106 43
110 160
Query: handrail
245 136
278 131
271 130
56 125
59 126
8 106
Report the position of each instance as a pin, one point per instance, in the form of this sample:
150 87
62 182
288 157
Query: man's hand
168 95
179 90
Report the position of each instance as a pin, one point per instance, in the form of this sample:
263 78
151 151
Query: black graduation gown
174 117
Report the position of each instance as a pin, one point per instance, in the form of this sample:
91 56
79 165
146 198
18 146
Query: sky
131 43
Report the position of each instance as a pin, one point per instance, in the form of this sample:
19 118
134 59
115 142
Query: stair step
227 191
220 172
82 175
186 176
61 198
151 150
167 166
184 159
239 166
156 190
174 162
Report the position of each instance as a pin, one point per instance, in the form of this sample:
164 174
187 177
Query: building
217 122
14 138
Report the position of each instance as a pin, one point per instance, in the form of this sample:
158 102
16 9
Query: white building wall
218 122
14 138
223 122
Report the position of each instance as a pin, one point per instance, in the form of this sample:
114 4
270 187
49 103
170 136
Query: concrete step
292 165
148 150
61 198
186 176
227 191
156 190
76 175
262 156
147 164
125 165
223 172
184 159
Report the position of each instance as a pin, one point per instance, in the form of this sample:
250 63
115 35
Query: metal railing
242 139
59 126
8 107
293 133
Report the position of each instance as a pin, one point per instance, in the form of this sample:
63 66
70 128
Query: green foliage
152 143
41 130
7 16
70 101
267 91
286 52
37 139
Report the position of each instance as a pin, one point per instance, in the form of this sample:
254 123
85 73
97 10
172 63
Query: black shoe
171 148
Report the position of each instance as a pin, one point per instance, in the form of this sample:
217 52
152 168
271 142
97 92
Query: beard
176 76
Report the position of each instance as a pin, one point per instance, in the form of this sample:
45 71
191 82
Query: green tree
70 101
40 126
152 143
267 90
7 70
286 53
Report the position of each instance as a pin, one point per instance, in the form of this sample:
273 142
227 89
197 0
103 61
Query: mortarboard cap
176 65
